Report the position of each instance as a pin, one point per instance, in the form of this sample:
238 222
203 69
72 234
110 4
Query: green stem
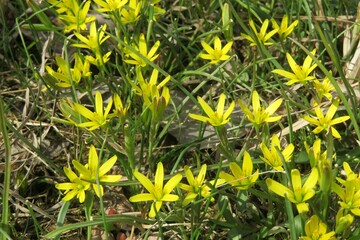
5 198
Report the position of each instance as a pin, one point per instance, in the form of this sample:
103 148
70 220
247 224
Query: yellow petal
144 181
172 183
142 197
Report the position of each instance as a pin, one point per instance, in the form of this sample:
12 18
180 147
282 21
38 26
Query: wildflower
110 5
315 229
215 118
142 49
196 186
326 123
322 163
64 80
271 157
76 17
157 192
299 74
350 176
350 197
261 36
91 172
343 221
99 117
217 53
323 89
131 12
297 194
241 178
259 114
120 111
76 187
284 30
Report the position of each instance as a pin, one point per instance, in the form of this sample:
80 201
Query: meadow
201 119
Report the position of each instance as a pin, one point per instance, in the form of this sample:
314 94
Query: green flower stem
225 147
7 172
152 137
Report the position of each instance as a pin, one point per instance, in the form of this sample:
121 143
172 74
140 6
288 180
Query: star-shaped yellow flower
297 193
315 229
259 114
91 171
76 186
326 123
216 54
284 30
110 5
130 13
243 177
323 89
215 118
261 36
299 74
143 50
157 192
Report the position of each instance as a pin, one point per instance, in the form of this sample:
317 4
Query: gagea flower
110 5
297 193
218 53
299 74
243 177
315 229
261 36
325 123
284 30
91 172
215 118
76 186
156 192
259 114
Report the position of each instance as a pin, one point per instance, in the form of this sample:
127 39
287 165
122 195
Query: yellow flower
297 194
242 178
261 36
99 117
157 192
76 187
215 118
131 12
197 185
142 49
119 110
350 197
64 80
343 221
76 17
326 123
323 89
299 74
217 53
110 5
284 30
271 157
91 171
350 176
259 114
315 229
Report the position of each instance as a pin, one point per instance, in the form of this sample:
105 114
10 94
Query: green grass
44 129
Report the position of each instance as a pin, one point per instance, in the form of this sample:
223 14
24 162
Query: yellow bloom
142 49
64 80
131 12
259 114
326 123
297 194
261 36
242 178
119 110
350 176
99 117
197 185
315 229
76 16
157 192
91 171
343 221
110 5
299 74
271 157
323 89
215 118
217 53
76 187
350 197
284 30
